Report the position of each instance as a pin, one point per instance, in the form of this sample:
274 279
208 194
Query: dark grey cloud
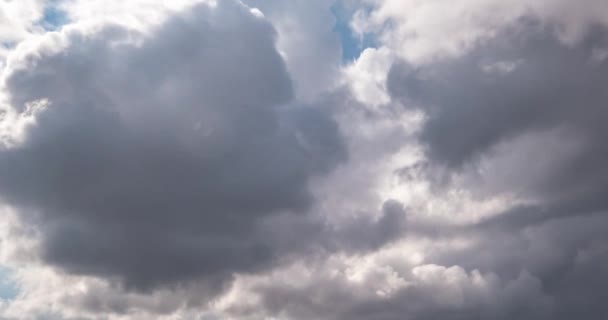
522 83
179 158
157 162
365 232
508 91
513 84
548 256
567 256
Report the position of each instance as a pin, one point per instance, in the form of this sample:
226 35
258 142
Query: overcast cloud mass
313 159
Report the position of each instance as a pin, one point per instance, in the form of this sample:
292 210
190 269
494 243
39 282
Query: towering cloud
154 158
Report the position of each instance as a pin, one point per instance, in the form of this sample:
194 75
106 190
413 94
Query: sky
7 288
304 159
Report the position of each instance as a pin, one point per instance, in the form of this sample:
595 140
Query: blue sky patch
53 17
352 44
8 289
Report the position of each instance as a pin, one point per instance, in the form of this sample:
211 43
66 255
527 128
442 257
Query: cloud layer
217 160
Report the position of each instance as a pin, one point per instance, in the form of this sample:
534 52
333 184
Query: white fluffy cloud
18 20
420 31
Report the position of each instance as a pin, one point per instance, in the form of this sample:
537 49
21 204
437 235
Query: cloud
518 115
212 160
156 157
18 20
369 288
513 119
422 31
550 94
308 42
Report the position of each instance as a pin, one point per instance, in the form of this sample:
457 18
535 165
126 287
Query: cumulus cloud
154 157
218 160
519 115
18 20
491 124
373 287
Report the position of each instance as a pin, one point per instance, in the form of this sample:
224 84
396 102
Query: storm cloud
522 115
155 157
